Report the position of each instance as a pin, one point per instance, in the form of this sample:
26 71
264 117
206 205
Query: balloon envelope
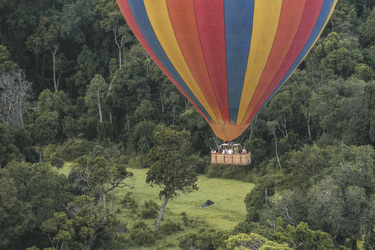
228 57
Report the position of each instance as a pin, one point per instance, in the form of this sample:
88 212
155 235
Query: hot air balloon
228 57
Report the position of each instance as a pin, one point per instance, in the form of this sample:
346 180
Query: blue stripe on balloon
324 13
139 12
238 16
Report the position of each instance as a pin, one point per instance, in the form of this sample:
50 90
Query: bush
170 227
234 172
203 240
49 151
110 151
150 210
185 219
227 172
55 161
253 241
141 235
128 201
198 164
73 149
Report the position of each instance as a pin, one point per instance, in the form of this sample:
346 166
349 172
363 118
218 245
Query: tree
141 139
86 68
272 125
38 192
173 100
90 220
46 39
77 20
54 102
253 241
301 237
114 21
169 167
23 141
15 215
6 64
280 110
364 72
97 177
96 93
13 91
59 230
366 29
8 151
258 198
330 188
44 130
129 88
304 164
341 55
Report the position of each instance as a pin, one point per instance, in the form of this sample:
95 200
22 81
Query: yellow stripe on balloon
265 23
158 15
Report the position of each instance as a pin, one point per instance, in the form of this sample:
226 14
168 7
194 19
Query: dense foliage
75 85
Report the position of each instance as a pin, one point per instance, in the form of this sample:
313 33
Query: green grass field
228 196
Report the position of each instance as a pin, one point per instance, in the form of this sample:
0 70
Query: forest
78 90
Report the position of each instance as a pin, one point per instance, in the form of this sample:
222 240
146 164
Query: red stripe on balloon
182 15
125 10
308 21
210 21
284 38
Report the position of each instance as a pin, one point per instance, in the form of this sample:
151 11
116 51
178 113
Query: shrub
186 221
234 172
170 227
227 172
55 161
203 240
141 235
128 201
214 171
150 210
73 149
253 241
198 164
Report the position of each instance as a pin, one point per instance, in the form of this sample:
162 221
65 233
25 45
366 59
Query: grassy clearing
228 196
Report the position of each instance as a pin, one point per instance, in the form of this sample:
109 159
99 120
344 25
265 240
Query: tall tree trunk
100 108
103 199
307 118
21 118
162 103
119 46
309 130
174 113
252 127
110 108
40 153
119 56
54 68
9 111
43 70
161 214
276 151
